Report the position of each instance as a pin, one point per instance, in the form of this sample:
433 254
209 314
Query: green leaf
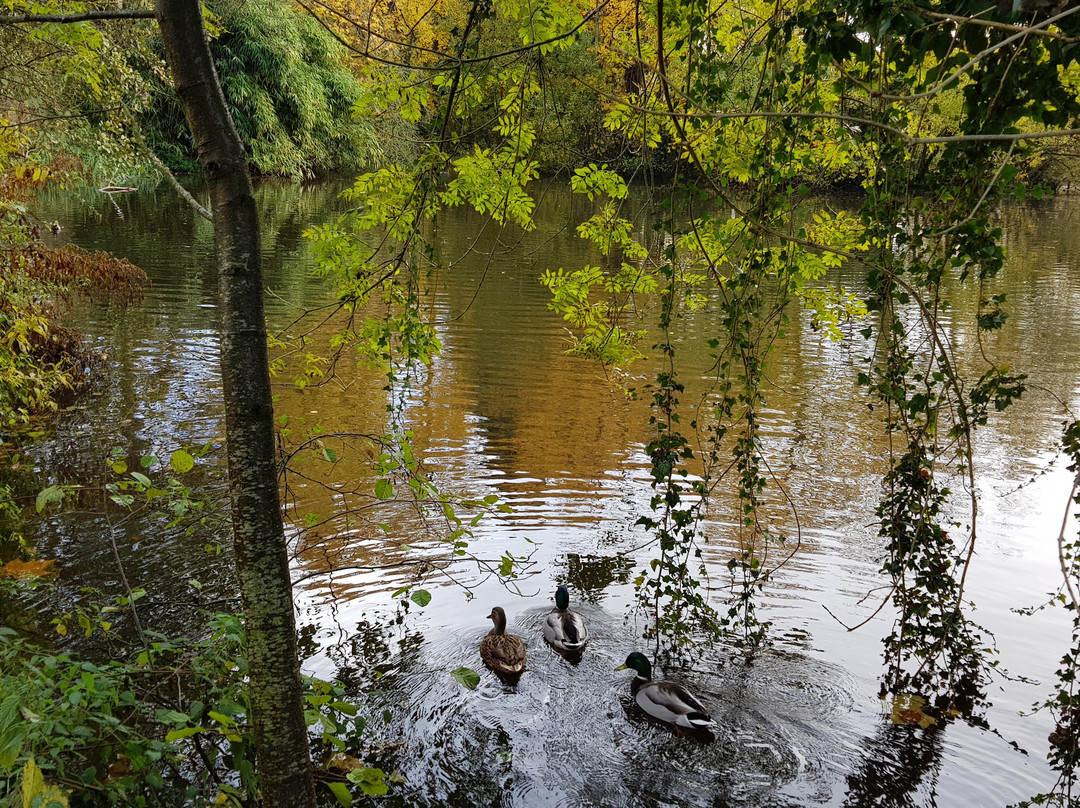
421 597
466 677
12 732
344 707
383 489
341 791
54 493
171 717
370 780
142 479
181 462
330 455
180 734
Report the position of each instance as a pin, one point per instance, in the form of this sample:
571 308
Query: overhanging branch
86 16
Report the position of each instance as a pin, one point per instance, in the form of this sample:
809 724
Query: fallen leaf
22 570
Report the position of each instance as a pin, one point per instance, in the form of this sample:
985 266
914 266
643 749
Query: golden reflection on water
504 410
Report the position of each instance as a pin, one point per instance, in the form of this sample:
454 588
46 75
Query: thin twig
1061 546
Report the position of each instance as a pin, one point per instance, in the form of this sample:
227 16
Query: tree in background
289 93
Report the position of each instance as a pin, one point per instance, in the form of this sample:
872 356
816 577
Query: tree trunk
283 759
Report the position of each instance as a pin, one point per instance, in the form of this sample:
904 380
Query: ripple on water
569 735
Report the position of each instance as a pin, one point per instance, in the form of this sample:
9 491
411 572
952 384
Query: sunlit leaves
393 92
641 128
36 791
830 307
492 181
596 181
542 20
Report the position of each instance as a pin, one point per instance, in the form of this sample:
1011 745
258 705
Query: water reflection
898 768
503 411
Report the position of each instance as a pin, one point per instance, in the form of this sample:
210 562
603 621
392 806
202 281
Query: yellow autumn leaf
35 791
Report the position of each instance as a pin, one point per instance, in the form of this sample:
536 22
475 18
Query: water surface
505 411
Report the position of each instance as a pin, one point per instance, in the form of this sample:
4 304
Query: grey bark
284 767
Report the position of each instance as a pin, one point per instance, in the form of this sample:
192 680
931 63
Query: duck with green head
666 701
564 629
503 653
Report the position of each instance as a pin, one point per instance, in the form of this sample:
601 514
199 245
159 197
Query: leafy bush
288 91
167 724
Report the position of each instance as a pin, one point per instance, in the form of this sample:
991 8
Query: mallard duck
666 701
503 653
565 629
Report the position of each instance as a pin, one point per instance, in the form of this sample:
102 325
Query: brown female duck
503 653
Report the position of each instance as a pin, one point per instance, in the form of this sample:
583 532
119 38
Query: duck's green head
562 598
639 663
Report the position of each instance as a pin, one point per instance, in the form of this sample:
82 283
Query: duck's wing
553 629
673 703
565 630
506 651
574 628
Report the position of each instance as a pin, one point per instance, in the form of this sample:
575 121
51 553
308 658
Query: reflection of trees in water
372 651
589 576
899 768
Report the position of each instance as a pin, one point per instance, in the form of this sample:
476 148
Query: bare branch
978 57
451 58
1061 548
1004 26
86 16
180 189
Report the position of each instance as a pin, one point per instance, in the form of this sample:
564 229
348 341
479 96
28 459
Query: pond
505 411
